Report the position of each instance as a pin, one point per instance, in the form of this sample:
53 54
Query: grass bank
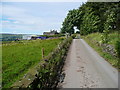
95 38
18 57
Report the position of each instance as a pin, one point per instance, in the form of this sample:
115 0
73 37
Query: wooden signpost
42 53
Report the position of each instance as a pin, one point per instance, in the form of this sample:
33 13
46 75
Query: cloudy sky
34 17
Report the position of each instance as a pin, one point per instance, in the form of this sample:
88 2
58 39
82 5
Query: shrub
117 47
105 36
73 36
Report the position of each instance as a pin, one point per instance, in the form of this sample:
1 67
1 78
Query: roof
51 32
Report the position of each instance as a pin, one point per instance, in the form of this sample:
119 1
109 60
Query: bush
48 71
117 47
78 32
105 36
73 36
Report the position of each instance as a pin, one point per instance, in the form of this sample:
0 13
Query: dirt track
84 68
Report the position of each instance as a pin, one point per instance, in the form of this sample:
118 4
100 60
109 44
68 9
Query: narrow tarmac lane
84 68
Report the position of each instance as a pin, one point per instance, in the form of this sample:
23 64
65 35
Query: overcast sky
34 17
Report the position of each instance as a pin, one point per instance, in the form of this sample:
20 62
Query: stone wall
109 49
46 73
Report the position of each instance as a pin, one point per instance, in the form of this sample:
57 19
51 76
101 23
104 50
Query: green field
18 57
95 38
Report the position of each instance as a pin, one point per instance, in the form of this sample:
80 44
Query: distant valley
10 37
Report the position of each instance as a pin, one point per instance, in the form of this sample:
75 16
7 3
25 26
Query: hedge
47 73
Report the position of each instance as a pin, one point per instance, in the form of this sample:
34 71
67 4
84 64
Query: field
94 38
18 57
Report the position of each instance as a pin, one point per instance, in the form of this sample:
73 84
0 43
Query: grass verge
94 38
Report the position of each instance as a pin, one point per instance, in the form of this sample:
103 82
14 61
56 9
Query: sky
34 17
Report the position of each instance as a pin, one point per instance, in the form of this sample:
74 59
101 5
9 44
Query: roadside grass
94 38
18 57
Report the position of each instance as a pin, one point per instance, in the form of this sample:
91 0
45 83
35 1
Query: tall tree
93 17
90 22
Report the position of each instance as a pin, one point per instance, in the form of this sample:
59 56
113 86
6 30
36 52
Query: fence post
42 53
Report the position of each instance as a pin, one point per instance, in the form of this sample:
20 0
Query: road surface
84 68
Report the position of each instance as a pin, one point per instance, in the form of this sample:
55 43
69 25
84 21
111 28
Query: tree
70 21
90 22
108 26
93 17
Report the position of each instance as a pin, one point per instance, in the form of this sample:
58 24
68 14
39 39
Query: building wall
26 37
50 33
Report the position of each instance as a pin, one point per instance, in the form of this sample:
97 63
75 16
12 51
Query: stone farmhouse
52 32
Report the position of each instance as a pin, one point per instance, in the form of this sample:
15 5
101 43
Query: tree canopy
93 17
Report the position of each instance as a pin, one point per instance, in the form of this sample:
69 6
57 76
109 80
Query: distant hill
10 37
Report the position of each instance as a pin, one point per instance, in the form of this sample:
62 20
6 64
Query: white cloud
19 15
20 19
33 17
24 20
44 0
11 10
5 21
60 0
16 22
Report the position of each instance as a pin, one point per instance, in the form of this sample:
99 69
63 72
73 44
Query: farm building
52 32
28 37
32 37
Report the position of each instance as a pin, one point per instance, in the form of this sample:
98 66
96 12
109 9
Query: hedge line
47 73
